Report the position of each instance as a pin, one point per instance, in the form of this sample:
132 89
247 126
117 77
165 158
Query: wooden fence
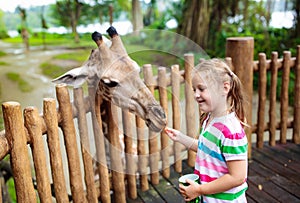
37 148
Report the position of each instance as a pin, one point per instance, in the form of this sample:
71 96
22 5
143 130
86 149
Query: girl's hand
173 134
191 191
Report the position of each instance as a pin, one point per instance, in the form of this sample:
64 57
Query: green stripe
211 137
227 196
235 150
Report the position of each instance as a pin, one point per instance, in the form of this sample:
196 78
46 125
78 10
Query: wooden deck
274 176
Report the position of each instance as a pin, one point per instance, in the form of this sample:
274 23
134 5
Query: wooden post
241 50
142 153
34 127
284 96
95 101
175 75
129 154
273 89
15 133
262 91
4 146
163 96
115 155
68 128
153 138
85 146
190 113
296 131
51 121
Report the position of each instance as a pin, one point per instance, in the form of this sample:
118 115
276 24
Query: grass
65 40
2 53
3 63
24 86
80 56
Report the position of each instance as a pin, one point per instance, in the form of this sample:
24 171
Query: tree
202 20
23 28
3 30
137 17
195 21
69 14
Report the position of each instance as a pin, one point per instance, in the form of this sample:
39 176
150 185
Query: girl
221 160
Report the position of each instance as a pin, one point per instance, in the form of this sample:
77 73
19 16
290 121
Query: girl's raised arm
178 136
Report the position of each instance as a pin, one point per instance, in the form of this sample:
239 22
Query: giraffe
111 69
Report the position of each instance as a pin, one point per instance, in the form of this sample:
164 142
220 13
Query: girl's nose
197 94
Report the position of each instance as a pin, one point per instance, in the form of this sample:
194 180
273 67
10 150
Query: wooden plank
292 147
284 97
287 151
129 154
276 167
19 159
164 138
272 98
281 158
153 137
264 184
279 180
136 200
85 146
177 147
296 126
57 170
33 125
168 192
150 196
262 84
190 113
258 195
69 132
250 200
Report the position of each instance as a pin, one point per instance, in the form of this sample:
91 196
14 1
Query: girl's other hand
189 192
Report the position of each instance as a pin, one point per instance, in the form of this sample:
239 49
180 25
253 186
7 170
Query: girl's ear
226 87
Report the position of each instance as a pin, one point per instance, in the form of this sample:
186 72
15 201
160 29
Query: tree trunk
137 18
297 17
195 23
74 8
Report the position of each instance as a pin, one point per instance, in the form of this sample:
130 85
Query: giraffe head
117 77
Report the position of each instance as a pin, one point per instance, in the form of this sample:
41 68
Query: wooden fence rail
67 139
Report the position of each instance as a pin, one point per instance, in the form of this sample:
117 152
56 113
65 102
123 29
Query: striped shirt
224 139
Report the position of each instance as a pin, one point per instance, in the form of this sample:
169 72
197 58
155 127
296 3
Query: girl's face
207 94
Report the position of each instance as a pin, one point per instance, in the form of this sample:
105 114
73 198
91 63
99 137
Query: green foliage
24 86
3 30
52 70
2 53
80 55
11 190
2 63
58 40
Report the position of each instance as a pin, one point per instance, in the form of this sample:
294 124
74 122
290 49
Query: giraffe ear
74 78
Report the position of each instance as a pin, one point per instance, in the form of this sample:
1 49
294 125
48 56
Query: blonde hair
220 72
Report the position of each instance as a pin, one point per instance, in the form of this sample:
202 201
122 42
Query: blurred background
40 40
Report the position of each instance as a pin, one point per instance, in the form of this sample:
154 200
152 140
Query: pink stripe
206 178
197 172
227 133
212 166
